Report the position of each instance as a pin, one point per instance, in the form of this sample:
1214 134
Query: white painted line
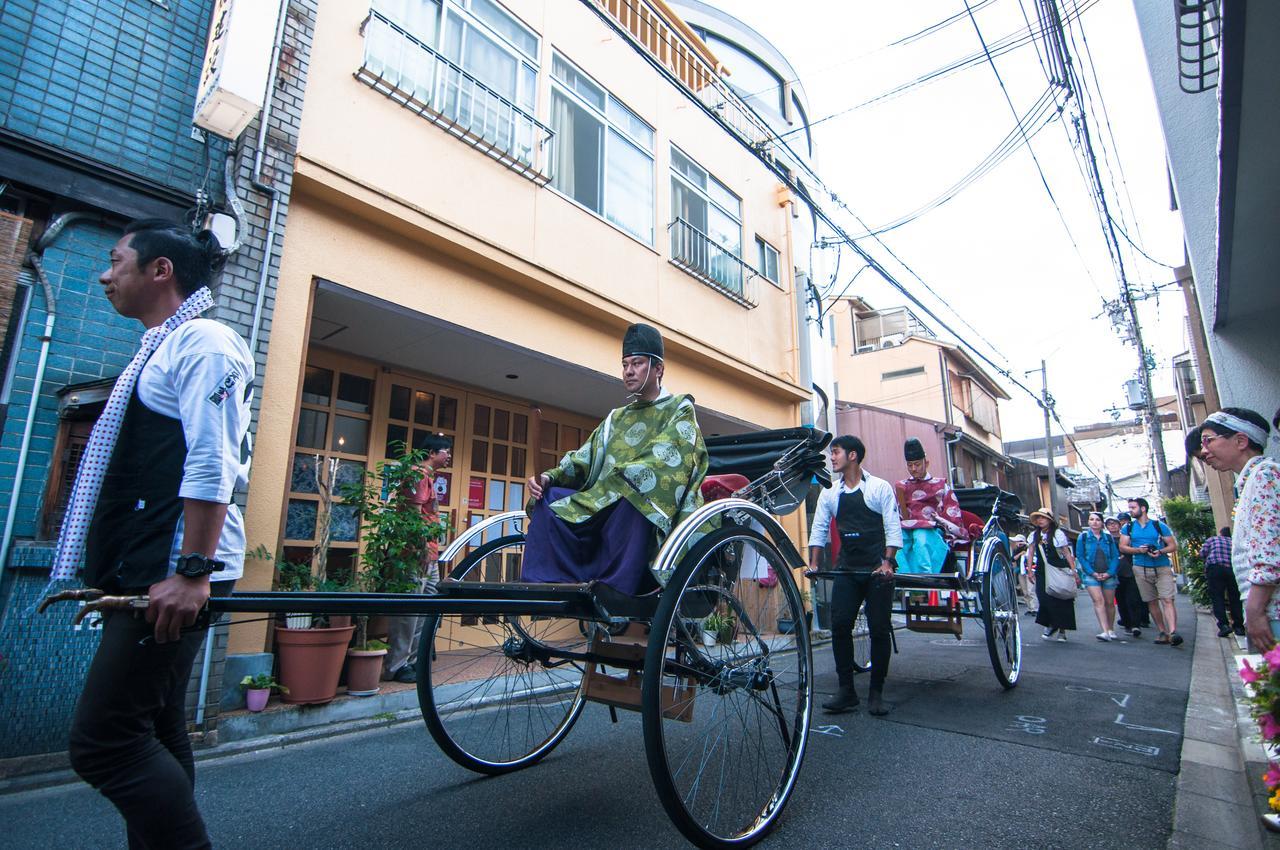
1114 744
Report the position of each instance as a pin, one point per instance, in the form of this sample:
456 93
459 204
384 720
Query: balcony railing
675 46
697 254
414 75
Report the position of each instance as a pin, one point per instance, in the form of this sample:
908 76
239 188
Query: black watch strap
195 565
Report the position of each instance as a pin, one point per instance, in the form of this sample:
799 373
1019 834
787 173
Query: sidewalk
242 731
1220 796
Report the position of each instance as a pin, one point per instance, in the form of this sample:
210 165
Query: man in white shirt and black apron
866 513
152 513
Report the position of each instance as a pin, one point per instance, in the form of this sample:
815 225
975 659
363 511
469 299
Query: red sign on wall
475 494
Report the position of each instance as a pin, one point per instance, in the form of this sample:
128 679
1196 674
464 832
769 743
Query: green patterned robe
649 453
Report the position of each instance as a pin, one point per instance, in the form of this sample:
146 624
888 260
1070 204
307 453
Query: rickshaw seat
722 486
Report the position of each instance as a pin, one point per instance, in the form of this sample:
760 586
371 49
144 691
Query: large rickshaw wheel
1000 613
491 698
725 725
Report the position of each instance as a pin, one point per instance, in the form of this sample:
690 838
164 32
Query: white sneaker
1103 636
1062 636
1111 635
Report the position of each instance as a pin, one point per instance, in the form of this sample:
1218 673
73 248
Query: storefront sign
475 494
233 78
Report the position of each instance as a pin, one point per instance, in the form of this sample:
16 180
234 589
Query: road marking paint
1115 744
832 730
1123 702
1120 722
1028 723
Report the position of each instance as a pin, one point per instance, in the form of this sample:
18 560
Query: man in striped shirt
1224 593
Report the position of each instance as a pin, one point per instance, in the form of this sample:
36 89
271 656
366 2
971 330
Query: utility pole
1150 412
1046 402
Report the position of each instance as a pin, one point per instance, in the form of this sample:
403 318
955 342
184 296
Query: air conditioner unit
892 340
863 349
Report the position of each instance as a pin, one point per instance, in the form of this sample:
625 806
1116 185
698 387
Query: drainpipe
46 338
263 188
263 273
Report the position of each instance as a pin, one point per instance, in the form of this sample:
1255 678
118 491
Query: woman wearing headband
1233 440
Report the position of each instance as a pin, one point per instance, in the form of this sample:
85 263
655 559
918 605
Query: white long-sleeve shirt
202 374
879 496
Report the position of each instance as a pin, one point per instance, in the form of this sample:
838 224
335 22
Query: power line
787 178
999 47
1042 113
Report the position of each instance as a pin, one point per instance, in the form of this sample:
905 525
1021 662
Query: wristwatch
195 565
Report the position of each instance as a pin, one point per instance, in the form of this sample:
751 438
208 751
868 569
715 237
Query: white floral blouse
1255 540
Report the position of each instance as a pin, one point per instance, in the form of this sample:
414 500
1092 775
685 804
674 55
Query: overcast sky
997 253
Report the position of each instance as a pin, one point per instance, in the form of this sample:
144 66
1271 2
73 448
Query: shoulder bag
1059 582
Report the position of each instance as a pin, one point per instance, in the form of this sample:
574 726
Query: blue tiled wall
112 80
90 341
43 662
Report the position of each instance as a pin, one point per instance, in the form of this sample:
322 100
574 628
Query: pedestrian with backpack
1150 542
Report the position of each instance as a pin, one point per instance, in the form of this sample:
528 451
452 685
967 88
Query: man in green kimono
601 514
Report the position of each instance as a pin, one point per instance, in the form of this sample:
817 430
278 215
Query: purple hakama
611 547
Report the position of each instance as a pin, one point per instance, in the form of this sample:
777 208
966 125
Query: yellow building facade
891 360
484 197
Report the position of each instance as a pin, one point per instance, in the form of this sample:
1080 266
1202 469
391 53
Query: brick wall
110 80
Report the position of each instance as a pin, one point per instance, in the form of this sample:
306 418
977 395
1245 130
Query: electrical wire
787 178
1043 113
999 47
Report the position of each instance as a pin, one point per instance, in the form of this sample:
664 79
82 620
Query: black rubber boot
876 704
846 699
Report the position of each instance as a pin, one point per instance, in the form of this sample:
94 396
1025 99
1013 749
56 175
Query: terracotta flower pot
364 671
310 662
255 699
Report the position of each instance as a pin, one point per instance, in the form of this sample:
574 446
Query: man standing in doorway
1150 542
403 633
152 513
865 511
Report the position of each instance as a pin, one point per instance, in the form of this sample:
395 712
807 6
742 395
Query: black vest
861 533
131 535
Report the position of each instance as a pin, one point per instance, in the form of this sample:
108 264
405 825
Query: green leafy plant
262 682
720 624
393 528
1191 523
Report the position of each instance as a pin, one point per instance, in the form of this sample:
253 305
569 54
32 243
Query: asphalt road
1081 754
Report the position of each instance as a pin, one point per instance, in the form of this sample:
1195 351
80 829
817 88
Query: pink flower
1269 726
1247 673
1272 777
1272 657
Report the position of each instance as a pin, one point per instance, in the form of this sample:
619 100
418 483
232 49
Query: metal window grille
700 256
1199 24
417 77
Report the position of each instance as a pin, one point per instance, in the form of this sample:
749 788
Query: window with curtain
493 95
712 240
603 152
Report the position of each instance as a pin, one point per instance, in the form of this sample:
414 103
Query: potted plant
394 533
257 690
295 577
721 626
786 625
364 667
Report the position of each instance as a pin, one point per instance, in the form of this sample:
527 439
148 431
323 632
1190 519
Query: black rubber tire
669 609
997 585
436 725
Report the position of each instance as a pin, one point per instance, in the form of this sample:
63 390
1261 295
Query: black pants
848 594
129 734
1133 612
1224 594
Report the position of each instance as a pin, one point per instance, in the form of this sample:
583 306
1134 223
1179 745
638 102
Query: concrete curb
1217 796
